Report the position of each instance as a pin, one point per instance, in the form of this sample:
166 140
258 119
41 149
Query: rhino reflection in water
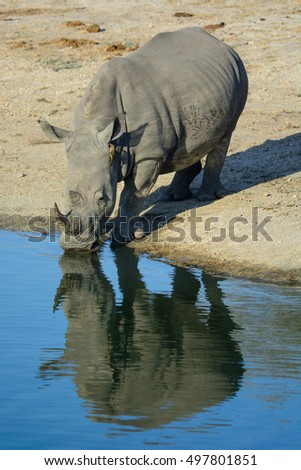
154 358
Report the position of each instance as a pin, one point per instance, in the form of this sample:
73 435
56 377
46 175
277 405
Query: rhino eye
100 203
74 197
100 199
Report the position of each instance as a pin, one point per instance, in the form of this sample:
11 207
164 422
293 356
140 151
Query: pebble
93 28
139 233
22 175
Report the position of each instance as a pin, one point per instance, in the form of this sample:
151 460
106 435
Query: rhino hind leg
178 190
211 187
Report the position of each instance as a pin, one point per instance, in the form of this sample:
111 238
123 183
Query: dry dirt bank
48 56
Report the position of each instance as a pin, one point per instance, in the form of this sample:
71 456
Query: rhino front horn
60 219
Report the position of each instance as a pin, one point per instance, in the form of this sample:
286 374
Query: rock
139 233
93 28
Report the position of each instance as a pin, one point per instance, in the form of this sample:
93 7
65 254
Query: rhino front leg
136 188
211 187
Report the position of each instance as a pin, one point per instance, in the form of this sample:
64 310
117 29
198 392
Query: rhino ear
110 133
55 133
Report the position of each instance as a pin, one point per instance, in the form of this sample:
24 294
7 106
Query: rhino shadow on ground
268 161
262 163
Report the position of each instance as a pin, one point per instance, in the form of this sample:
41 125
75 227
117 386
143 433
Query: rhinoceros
158 110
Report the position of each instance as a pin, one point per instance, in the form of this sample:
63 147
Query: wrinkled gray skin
158 110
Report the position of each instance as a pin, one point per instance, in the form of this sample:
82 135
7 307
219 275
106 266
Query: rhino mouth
74 236
71 243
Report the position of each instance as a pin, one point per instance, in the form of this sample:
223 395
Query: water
124 352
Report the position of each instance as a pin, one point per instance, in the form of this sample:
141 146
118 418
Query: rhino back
186 88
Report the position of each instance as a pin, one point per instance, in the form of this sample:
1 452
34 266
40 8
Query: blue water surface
116 351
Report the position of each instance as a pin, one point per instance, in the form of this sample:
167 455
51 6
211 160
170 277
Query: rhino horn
62 220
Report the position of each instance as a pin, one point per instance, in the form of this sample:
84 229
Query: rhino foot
118 239
216 193
172 194
123 234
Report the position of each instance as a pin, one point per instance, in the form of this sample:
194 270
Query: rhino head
91 186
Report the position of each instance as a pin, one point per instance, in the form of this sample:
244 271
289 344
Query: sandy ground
48 56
